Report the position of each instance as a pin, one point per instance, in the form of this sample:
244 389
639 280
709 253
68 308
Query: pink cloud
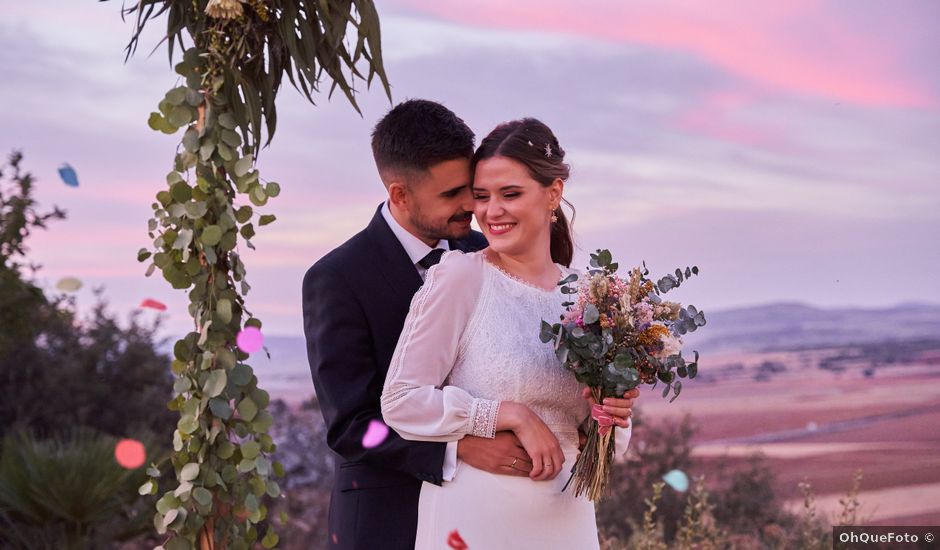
796 47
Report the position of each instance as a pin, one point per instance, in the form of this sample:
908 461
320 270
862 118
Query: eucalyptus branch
232 70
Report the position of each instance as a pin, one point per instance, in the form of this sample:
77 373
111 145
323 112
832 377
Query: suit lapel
394 262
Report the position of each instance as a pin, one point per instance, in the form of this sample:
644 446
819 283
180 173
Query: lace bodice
502 358
471 341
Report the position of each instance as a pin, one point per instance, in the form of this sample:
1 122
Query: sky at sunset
790 149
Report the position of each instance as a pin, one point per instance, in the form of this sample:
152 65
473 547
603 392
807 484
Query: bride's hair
532 143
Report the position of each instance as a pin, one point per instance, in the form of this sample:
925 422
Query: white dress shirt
417 250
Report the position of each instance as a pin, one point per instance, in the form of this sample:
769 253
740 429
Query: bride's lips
500 228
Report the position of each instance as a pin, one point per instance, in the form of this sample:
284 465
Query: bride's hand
538 441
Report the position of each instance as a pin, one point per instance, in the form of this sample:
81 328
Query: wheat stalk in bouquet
615 335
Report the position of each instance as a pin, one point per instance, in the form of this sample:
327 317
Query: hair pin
548 150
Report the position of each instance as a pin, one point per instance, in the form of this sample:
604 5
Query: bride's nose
494 209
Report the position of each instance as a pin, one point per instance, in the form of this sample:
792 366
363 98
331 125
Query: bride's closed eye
510 195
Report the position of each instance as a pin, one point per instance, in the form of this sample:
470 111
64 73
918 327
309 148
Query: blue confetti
68 175
677 480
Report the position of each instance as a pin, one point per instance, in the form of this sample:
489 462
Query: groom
355 300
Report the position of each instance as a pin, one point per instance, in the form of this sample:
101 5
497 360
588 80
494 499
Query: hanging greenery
234 56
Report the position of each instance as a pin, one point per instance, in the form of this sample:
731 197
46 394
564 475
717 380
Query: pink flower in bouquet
644 314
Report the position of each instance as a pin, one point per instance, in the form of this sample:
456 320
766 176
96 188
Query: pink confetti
375 435
335 539
130 453
153 304
250 339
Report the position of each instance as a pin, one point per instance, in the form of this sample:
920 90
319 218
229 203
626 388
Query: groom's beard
449 229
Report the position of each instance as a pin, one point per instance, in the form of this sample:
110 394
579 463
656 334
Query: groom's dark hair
416 135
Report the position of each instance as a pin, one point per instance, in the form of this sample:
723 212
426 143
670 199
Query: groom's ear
398 195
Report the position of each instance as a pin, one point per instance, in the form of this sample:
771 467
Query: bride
469 360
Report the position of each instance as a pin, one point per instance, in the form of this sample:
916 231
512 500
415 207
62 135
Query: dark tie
433 258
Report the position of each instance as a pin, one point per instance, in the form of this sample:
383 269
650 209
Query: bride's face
513 209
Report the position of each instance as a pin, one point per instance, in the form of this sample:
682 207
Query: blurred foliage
737 509
68 492
71 388
57 370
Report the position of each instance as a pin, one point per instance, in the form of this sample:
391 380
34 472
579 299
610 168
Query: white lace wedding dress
470 341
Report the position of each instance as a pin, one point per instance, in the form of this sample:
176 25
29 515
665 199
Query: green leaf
225 152
224 309
226 359
181 192
250 449
187 424
191 140
266 219
272 189
220 408
176 96
270 539
257 196
247 231
205 150
226 120
241 374
143 254
193 97
242 166
590 315
189 472
243 214
604 258
158 123
211 235
202 496
225 450
247 410
215 383
196 209
546 334
180 116
230 138
262 422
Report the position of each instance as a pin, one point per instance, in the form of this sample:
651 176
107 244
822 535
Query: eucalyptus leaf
247 409
590 315
242 166
189 472
220 408
211 235
202 496
187 424
180 116
224 309
250 450
215 383
191 140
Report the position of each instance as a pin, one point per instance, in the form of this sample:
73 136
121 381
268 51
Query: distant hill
781 326
785 326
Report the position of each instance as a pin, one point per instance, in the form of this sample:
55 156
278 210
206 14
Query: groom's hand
620 408
503 454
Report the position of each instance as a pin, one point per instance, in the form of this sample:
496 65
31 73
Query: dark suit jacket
355 300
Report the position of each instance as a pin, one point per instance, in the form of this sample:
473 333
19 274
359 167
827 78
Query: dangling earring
554 218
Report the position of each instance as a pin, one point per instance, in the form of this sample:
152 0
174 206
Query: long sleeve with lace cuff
415 401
